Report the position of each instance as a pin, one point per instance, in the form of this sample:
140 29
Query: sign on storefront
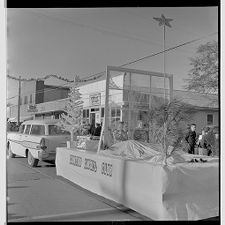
95 99
32 108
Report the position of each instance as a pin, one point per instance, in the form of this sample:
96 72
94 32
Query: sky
76 41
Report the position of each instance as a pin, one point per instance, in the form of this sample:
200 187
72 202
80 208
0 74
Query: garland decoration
76 79
43 78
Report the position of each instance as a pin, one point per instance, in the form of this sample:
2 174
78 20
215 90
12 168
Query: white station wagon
37 140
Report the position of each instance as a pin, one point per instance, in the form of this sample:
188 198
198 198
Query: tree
204 74
72 120
174 114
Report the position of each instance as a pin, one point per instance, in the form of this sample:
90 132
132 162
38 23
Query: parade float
148 170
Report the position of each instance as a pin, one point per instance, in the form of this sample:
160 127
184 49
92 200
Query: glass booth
136 92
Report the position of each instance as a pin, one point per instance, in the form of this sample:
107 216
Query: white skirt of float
188 191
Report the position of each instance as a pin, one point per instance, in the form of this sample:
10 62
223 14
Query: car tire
31 160
10 153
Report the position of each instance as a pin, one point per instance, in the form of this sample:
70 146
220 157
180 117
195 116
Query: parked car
37 140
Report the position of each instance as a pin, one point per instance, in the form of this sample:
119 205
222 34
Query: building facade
40 101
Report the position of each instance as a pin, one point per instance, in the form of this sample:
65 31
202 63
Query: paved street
37 194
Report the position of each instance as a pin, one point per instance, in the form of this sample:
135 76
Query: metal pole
165 22
130 106
164 71
105 134
19 96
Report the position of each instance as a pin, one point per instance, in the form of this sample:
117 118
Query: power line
106 31
154 54
168 49
101 30
137 60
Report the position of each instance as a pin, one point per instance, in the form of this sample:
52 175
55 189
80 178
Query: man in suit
191 139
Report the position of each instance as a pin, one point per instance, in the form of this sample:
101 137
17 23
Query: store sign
95 99
32 108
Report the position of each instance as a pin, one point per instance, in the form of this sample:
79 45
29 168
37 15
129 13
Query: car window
27 130
38 129
21 129
56 130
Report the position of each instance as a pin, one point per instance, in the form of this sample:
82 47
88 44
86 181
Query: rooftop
197 99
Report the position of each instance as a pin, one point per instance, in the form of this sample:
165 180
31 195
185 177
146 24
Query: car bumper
43 155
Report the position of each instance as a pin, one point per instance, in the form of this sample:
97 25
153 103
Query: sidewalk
38 197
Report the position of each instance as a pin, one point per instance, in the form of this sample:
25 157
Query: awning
13 119
22 118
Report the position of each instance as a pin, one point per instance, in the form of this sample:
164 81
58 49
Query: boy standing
191 138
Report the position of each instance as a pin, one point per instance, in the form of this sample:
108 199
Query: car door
37 132
24 139
16 141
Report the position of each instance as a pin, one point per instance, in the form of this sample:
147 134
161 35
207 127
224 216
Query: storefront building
48 102
38 101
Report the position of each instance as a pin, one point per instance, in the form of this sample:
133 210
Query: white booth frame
104 133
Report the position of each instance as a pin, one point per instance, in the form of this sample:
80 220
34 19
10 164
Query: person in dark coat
210 141
97 131
190 138
92 129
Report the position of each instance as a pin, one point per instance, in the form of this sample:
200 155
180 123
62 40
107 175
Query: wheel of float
31 160
10 153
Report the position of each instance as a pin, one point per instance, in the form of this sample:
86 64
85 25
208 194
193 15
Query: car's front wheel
10 153
31 160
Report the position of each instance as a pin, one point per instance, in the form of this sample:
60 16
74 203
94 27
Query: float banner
183 191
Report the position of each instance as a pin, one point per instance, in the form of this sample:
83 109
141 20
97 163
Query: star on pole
163 21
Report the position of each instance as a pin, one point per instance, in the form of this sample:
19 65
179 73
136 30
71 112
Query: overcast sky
79 41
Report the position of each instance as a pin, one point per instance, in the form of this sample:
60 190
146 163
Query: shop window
38 116
25 100
38 130
95 109
21 102
102 112
113 112
118 112
86 115
57 116
209 119
115 115
144 118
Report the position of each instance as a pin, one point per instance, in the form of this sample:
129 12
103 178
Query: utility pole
19 95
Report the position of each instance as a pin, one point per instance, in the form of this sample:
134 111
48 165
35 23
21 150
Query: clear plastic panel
131 98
